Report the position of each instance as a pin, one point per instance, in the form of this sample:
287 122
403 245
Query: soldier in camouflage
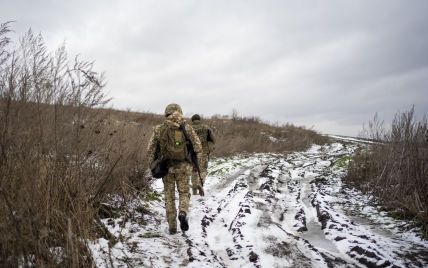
207 139
179 171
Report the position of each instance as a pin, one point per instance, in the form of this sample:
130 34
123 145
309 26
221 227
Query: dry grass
233 135
396 169
59 157
251 135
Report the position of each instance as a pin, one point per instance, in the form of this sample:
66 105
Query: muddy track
294 195
272 210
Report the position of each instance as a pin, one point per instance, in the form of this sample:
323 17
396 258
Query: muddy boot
172 231
184 225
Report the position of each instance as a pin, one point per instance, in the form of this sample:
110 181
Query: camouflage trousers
196 182
177 175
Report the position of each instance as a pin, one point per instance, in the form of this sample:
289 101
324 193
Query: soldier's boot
184 225
172 231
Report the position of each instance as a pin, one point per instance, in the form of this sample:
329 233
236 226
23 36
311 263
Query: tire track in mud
271 210
241 185
248 187
236 183
264 186
272 186
289 195
225 201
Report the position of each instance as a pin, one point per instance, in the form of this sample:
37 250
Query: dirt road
268 210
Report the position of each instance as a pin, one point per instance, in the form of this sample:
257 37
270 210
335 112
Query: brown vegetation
395 169
250 134
61 155
59 158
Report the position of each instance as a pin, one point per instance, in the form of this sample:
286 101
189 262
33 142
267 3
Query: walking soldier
206 137
169 146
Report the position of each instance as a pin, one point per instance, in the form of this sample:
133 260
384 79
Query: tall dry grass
59 157
237 134
395 169
252 135
233 134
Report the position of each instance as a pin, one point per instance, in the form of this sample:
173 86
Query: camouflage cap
171 108
196 117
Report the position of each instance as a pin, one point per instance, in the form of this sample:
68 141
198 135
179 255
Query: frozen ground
266 210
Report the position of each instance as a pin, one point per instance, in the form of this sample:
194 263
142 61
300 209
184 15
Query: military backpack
172 143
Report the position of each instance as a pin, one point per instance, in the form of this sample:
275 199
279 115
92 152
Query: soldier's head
196 117
171 108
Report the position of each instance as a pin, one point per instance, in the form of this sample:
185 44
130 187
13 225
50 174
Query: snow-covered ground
266 210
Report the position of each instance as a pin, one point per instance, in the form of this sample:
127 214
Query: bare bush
59 157
395 169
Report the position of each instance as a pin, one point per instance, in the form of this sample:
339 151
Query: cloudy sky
330 65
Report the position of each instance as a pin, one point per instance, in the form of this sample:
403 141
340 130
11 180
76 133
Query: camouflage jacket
205 135
153 149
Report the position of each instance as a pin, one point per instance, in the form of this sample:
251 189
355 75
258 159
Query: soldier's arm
211 137
152 146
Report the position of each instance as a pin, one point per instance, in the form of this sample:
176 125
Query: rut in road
271 210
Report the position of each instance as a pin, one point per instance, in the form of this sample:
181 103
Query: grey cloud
330 65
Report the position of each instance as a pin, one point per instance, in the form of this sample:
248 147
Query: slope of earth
266 210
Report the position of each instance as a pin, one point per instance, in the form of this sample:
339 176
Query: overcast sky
330 65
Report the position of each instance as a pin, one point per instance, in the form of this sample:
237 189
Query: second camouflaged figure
169 144
207 139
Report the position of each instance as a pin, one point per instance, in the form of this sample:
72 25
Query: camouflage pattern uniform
207 139
178 172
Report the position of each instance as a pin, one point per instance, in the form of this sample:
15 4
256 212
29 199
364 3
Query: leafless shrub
59 157
375 130
396 170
